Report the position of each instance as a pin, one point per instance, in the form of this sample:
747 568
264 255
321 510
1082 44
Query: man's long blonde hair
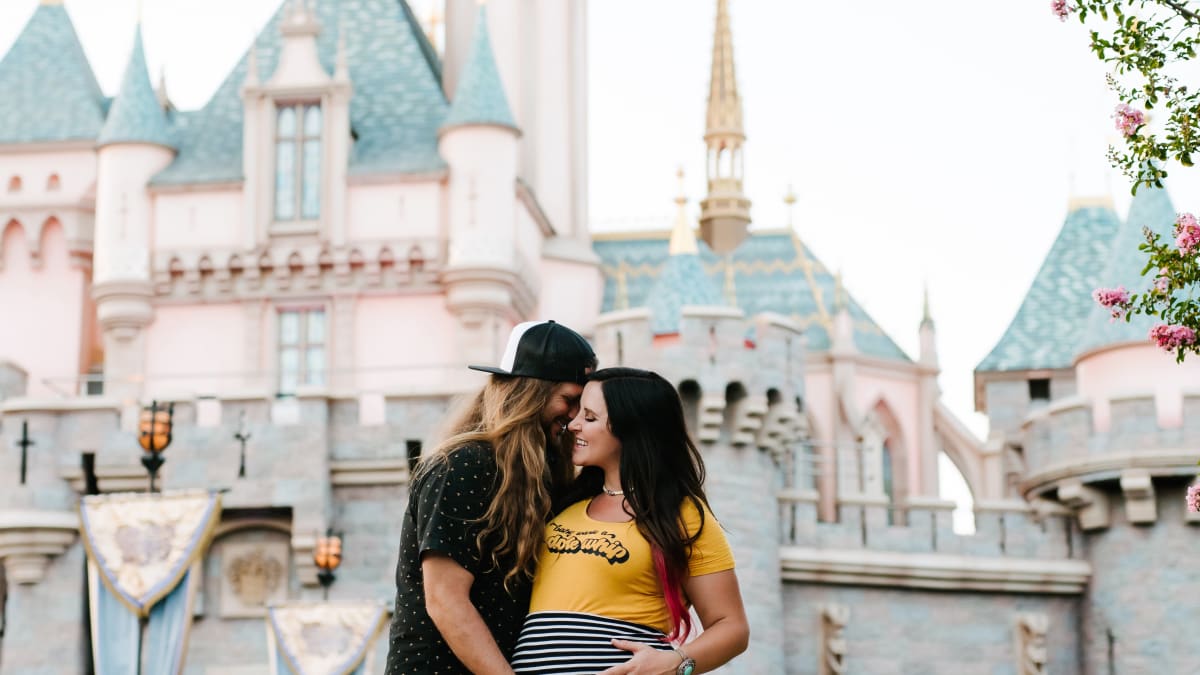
507 414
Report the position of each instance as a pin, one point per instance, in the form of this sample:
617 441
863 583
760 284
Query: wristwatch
687 665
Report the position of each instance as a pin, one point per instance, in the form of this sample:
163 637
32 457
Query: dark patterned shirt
444 505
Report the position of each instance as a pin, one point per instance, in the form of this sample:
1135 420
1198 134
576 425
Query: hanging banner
322 638
142 545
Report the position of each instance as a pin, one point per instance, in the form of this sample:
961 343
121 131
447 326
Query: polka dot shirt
443 505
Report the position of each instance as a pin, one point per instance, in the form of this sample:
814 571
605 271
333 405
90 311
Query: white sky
928 142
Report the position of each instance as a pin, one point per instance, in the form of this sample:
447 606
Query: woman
635 547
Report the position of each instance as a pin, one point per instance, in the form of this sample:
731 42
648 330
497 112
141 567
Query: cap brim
491 369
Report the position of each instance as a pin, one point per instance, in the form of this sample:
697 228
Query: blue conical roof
136 115
1058 303
479 97
50 92
1151 208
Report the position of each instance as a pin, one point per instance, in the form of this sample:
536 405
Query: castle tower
136 142
725 211
1103 425
479 140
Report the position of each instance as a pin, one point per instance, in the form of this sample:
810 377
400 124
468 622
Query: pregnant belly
575 643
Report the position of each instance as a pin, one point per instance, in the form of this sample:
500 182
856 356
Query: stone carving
1032 652
833 639
254 575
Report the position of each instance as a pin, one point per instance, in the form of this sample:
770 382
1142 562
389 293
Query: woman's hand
646 660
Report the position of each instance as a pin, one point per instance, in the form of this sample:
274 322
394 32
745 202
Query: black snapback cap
545 350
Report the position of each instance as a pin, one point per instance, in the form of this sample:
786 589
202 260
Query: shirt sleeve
711 552
450 500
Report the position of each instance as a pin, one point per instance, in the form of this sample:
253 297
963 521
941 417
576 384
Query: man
478 506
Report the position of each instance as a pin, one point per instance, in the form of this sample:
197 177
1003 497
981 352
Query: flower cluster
1061 9
1193 497
1128 119
1187 233
1172 337
1115 299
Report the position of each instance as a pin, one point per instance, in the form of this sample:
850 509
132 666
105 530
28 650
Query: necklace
612 493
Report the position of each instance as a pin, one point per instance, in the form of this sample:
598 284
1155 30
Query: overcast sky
927 143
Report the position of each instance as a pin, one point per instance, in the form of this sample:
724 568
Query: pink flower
1172 337
1128 119
1115 299
1193 497
1187 233
1061 9
1162 284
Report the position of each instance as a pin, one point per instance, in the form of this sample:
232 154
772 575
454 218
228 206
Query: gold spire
725 211
683 240
622 299
724 103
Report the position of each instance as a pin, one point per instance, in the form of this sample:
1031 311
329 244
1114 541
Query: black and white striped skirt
577 644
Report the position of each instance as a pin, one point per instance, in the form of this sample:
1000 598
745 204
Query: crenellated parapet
1092 455
741 377
1016 547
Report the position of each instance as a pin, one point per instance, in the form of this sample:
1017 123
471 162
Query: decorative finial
925 317
683 239
52 3
839 292
790 200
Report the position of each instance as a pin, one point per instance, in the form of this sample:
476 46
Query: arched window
298 162
53 183
889 487
14 184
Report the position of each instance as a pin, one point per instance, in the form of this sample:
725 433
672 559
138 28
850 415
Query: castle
303 266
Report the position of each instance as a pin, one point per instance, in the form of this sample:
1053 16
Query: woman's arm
718 603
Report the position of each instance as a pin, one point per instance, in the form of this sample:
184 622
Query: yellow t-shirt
601 568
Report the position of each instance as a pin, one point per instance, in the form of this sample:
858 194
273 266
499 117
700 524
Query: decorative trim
88 145
1032 654
386 472
834 618
1138 488
1090 504
29 539
238 274
934 571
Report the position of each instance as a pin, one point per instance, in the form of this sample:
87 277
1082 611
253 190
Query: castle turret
137 141
479 141
927 402
725 211
683 282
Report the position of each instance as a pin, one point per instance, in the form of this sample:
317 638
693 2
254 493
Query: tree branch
1187 14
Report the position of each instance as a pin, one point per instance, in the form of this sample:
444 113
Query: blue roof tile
50 92
136 115
1043 334
682 282
395 111
1151 208
773 272
479 97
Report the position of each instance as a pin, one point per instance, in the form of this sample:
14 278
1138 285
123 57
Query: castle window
1039 389
14 184
302 345
298 162
52 183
